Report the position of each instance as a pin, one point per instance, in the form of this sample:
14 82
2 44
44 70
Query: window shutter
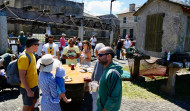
153 37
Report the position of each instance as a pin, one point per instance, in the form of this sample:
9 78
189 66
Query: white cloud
103 7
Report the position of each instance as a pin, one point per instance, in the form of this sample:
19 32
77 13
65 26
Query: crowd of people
106 73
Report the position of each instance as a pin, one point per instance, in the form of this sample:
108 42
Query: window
124 19
154 32
135 18
124 32
131 33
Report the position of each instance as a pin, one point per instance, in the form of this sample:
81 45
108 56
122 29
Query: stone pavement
12 101
138 105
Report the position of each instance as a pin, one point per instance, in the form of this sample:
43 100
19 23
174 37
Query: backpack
12 71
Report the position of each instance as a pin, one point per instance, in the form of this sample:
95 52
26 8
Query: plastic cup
72 67
94 86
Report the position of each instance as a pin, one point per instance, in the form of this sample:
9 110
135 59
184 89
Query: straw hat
47 63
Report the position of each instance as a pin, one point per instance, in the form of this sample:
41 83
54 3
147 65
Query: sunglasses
100 55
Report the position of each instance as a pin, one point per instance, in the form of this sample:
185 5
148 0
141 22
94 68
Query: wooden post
136 67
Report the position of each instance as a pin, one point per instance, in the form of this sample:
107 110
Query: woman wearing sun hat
47 83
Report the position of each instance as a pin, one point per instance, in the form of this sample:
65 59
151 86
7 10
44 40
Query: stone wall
55 6
3 34
174 27
101 35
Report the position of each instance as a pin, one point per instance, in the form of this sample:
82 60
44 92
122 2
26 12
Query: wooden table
76 75
75 89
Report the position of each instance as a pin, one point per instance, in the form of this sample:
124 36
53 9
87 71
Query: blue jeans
118 53
21 49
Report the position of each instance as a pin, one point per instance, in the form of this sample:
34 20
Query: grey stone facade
174 26
130 26
3 34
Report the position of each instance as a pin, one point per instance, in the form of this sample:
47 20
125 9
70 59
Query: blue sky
102 7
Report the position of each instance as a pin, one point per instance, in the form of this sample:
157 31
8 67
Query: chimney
131 7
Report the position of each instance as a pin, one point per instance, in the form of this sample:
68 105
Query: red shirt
62 41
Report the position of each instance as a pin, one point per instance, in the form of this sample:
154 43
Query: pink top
62 41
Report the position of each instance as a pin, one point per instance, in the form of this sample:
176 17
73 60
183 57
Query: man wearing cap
51 48
22 41
110 85
28 75
93 41
71 52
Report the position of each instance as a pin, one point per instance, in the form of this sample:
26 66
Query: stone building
57 7
72 20
54 6
128 22
163 25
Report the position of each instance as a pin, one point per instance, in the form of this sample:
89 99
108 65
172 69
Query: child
60 73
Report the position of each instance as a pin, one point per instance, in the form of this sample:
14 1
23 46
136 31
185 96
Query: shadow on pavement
182 90
9 94
84 105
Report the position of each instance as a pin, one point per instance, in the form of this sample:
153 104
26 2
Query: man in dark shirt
119 46
46 38
22 41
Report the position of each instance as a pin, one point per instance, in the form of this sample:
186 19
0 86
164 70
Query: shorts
28 101
93 47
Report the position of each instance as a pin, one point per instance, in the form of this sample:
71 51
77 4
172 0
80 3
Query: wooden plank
159 32
153 38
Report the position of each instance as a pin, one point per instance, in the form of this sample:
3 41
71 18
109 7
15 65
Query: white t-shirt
71 52
127 44
80 45
50 48
93 40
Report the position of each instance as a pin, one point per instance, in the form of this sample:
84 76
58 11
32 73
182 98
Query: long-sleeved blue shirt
98 71
60 84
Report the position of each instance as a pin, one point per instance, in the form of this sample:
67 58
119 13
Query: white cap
21 32
63 34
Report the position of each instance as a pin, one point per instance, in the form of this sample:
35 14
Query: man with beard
110 86
22 41
71 52
51 48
